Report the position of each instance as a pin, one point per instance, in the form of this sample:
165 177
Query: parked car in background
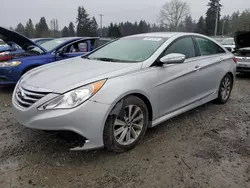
229 44
41 40
218 38
113 94
242 53
13 66
10 47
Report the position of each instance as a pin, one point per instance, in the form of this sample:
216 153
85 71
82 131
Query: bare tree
173 13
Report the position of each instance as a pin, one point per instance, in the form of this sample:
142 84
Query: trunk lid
242 39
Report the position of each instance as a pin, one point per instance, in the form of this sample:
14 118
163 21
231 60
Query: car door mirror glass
60 52
173 58
31 47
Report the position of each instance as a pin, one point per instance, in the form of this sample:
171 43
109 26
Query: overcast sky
13 12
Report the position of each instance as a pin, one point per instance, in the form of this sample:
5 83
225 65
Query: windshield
228 42
129 49
50 45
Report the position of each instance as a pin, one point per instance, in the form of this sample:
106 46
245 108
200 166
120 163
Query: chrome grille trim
26 98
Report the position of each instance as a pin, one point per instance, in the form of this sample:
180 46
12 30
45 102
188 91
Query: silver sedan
113 94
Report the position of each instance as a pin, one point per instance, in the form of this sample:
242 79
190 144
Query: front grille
26 98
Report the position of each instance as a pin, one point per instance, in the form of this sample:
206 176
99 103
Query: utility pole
223 26
101 15
217 17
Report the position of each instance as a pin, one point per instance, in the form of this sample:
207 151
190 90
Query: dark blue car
14 65
11 47
41 40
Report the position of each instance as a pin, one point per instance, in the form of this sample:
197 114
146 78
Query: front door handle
197 67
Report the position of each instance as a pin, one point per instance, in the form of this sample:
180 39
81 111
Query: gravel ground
206 147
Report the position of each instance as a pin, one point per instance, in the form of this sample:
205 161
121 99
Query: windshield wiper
107 59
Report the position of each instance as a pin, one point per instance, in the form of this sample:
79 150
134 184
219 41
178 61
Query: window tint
183 46
208 47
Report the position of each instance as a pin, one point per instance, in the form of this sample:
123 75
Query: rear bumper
241 69
243 66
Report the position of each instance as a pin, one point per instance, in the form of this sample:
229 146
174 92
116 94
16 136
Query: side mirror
60 52
173 58
31 47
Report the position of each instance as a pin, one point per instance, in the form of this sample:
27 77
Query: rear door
212 63
179 84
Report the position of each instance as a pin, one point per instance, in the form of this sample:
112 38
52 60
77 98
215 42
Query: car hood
65 75
11 36
242 39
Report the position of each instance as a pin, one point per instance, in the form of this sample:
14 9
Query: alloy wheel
226 88
128 129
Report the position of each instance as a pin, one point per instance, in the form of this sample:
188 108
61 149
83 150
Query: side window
183 46
76 47
208 47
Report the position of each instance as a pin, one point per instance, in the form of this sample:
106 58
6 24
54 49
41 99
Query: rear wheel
123 131
225 89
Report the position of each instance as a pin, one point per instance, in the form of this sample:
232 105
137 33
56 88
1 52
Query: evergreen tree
93 27
29 29
142 27
110 30
201 26
42 29
83 23
211 16
189 24
226 26
65 32
117 32
20 29
72 32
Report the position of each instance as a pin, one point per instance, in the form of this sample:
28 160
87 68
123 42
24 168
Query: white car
229 44
242 53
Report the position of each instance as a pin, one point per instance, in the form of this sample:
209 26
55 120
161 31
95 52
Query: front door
73 50
178 83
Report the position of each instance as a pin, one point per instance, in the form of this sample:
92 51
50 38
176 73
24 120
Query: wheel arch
138 94
232 76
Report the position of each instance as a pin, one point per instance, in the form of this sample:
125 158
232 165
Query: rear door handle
197 67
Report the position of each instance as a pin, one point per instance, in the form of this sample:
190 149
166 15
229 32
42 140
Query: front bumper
7 76
87 120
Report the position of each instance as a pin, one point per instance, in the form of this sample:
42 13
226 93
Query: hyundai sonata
113 94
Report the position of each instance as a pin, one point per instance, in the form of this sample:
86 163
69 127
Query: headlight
73 98
10 64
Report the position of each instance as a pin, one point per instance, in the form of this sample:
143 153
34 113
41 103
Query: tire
225 85
121 126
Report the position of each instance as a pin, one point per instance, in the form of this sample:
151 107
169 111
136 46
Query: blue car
10 47
41 40
14 65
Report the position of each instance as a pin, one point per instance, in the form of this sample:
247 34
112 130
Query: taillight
235 60
5 57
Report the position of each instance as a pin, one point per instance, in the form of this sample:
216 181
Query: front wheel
225 89
124 130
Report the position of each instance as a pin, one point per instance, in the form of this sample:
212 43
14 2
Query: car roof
165 34
34 39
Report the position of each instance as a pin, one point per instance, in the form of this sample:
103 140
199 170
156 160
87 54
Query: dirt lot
206 147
